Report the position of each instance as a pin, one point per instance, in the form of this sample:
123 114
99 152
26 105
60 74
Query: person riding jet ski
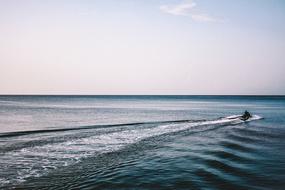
245 116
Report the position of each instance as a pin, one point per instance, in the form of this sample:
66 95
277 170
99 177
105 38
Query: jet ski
246 115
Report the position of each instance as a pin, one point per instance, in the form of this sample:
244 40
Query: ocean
142 142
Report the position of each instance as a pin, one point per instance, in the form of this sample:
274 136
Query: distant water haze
142 47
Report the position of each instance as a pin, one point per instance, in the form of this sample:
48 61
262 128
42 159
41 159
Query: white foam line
38 160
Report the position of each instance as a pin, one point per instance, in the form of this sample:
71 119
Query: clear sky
142 47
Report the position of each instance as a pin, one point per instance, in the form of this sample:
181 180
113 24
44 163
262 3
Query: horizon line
142 95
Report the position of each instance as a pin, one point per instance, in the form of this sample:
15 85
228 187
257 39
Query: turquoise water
141 142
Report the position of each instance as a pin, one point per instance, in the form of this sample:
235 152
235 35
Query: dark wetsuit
245 116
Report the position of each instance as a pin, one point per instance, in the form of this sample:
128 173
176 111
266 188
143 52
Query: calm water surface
141 142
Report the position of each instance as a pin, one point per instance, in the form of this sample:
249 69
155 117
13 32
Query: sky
211 47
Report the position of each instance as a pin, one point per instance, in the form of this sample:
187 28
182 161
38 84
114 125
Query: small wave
20 133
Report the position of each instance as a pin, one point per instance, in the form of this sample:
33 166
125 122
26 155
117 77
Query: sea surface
142 142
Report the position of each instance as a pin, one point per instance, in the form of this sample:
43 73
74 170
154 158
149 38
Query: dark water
141 142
